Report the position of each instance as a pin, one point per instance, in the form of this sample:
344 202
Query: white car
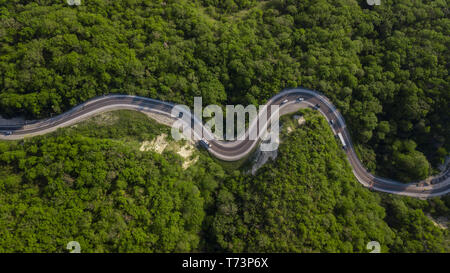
300 99
283 102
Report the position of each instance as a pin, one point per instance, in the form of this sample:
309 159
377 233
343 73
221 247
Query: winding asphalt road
238 149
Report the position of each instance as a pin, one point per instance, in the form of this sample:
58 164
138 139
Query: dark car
205 144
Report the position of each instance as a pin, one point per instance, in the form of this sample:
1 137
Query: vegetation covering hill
308 200
385 67
91 183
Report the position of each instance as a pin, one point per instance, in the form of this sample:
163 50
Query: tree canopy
92 184
385 67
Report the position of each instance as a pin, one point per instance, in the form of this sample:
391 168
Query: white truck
341 138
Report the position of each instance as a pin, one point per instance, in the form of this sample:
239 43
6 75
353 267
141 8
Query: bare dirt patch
186 153
161 143
158 144
300 119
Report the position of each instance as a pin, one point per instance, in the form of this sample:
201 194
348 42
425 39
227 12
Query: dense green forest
308 200
92 184
385 67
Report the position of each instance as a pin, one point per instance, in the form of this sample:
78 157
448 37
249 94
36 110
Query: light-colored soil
186 152
300 119
158 145
161 143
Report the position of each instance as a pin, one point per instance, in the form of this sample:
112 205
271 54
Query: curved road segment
235 150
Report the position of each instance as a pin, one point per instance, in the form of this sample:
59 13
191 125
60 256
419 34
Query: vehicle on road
341 138
205 144
237 152
331 122
283 102
300 99
7 133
